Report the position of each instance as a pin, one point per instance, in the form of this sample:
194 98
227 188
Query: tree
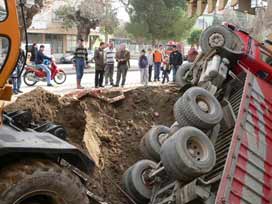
30 12
157 20
262 25
121 32
109 21
194 37
85 15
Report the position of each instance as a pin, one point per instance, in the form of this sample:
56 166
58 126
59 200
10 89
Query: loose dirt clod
110 132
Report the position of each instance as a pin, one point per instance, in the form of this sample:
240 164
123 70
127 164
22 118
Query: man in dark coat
100 63
176 61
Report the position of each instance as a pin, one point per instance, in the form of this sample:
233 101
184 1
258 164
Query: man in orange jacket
157 57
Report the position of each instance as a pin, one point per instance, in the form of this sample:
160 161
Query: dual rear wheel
40 182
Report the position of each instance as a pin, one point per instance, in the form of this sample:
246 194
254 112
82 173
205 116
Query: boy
143 65
165 69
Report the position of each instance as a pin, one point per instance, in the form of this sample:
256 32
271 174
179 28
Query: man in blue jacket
39 62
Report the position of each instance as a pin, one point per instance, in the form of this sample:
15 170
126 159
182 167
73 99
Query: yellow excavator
38 165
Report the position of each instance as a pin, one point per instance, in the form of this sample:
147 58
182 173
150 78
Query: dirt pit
109 132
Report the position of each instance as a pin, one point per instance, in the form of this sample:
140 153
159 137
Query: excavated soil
109 132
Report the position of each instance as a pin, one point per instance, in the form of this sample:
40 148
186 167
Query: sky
122 14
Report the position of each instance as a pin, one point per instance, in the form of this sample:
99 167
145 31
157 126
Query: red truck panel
247 174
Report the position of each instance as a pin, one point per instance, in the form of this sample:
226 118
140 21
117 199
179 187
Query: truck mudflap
247 175
19 143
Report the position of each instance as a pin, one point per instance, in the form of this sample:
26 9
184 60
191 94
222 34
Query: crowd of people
154 65
104 57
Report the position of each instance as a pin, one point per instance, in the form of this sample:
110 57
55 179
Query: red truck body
247 173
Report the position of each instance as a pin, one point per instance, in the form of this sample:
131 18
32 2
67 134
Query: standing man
99 59
122 57
176 61
40 63
109 69
34 52
157 57
150 63
80 61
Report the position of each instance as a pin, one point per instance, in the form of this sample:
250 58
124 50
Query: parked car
67 58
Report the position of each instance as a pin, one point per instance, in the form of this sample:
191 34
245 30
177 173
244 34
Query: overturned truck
219 150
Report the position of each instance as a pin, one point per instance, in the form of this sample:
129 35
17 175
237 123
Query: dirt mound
111 132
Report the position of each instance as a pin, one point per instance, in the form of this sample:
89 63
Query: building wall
47 28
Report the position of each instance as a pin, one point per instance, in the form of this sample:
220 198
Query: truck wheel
188 154
174 128
215 36
151 143
40 182
135 183
180 81
199 108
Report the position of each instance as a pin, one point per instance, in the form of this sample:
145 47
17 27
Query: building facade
47 28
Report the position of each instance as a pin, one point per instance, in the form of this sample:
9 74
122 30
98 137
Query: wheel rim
203 104
40 197
60 78
162 137
216 40
196 150
30 78
145 178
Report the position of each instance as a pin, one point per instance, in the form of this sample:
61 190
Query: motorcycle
34 74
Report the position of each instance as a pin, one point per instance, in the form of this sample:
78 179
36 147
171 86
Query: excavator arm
197 7
10 38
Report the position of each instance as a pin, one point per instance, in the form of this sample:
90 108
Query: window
3 10
56 42
35 38
4 50
71 43
267 58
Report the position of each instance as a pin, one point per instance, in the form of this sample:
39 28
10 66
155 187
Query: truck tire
180 81
199 108
134 183
188 154
151 143
174 128
214 37
39 182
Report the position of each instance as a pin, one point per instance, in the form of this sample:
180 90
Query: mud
109 132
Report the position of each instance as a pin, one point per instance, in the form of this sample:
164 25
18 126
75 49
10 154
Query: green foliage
66 13
88 14
109 21
194 37
158 20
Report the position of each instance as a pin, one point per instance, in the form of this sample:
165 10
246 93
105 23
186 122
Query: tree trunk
106 37
83 31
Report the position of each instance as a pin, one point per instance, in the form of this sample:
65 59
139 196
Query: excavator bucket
211 5
192 7
201 5
222 4
244 6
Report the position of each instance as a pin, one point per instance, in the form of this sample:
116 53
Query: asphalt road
133 80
